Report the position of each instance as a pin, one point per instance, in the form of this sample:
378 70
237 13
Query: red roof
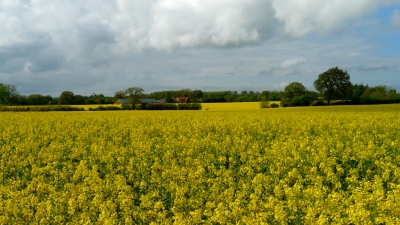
182 99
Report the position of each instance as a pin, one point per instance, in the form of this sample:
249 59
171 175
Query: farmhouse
148 100
121 102
181 99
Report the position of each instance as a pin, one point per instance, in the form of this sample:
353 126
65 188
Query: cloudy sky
102 46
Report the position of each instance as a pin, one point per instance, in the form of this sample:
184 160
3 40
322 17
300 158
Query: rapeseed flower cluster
325 165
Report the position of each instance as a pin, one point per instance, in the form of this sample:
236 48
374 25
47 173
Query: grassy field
231 164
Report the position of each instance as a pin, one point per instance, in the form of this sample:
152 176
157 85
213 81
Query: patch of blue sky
385 13
386 36
390 45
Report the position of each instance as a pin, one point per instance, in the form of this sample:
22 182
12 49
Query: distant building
121 102
148 100
181 99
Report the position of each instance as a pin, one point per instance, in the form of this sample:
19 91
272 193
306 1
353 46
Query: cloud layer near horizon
40 36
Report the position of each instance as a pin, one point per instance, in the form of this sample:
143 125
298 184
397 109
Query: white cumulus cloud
292 62
281 85
396 19
184 23
302 17
128 25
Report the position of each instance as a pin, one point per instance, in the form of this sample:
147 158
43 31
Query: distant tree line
69 98
333 84
193 95
10 96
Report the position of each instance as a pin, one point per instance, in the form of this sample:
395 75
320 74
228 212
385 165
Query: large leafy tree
98 98
7 92
294 89
197 94
119 95
66 98
331 81
134 94
79 99
38 99
4 95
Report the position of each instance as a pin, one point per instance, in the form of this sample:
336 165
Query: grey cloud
44 63
30 44
296 72
15 56
92 32
270 72
11 66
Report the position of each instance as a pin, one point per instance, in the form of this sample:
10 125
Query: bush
274 105
189 106
166 106
380 101
264 104
286 102
106 108
126 107
214 99
356 99
304 100
319 102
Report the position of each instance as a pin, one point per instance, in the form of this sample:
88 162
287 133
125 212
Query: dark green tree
134 94
294 89
19 100
4 95
119 95
79 100
66 98
197 94
185 92
37 99
392 94
98 98
357 92
265 95
332 80
7 92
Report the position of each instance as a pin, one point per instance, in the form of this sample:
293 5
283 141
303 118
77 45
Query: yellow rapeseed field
225 165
